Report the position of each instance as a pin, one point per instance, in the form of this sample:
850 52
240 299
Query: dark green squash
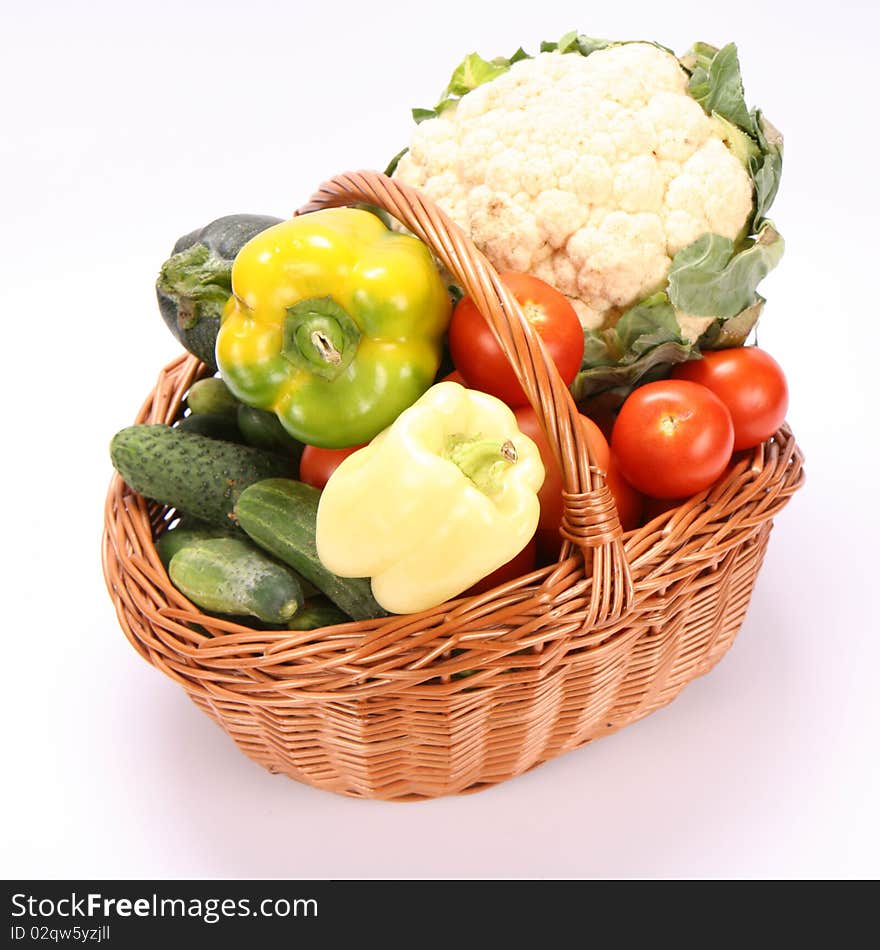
195 282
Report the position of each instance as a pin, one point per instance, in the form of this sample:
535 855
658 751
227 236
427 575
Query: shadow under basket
483 688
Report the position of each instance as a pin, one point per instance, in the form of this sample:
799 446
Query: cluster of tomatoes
670 439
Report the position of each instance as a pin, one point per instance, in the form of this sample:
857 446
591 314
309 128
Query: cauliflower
591 172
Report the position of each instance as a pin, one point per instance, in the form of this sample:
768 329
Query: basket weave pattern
483 688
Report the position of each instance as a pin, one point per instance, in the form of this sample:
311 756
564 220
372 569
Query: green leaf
716 83
699 56
724 334
743 146
647 339
623 378
589 44
644 344
766 168
392 165
471 72
646 324
567 43
574 42
709 278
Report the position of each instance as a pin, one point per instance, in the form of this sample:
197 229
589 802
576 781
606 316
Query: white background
125 126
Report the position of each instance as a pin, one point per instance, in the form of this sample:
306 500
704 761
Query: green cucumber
212 424
187 532
211 395
317 613
280 515
232 576
263 430
200 476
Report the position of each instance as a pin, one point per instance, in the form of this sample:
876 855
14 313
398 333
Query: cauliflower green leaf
643 345
470 73
709 278
574 42
765 168
716 83
722 334
740 143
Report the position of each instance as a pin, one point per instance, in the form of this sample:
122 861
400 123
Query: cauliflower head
590 172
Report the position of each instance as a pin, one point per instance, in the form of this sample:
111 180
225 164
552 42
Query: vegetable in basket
195 474
232 576
627 500
672 438
443 497
194 283
752 386
478 355
280 515
635 183
211 396
336 325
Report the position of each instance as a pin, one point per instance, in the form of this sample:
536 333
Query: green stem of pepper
320 337
481 460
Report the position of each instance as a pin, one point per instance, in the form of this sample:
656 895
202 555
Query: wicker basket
565 655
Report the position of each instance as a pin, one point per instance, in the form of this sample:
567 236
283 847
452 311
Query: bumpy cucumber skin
197 475
279 514
232 576
211 395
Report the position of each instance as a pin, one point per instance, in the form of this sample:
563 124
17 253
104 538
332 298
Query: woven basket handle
590 518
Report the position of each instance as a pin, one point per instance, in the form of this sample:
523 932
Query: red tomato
550 495
630 503
478 357
750 383
672 438
659 506
628 500
522 563
317 465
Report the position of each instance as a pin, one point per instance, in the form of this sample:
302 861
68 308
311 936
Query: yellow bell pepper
438 500
335 324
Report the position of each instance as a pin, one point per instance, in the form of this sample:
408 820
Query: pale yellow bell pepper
438 500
